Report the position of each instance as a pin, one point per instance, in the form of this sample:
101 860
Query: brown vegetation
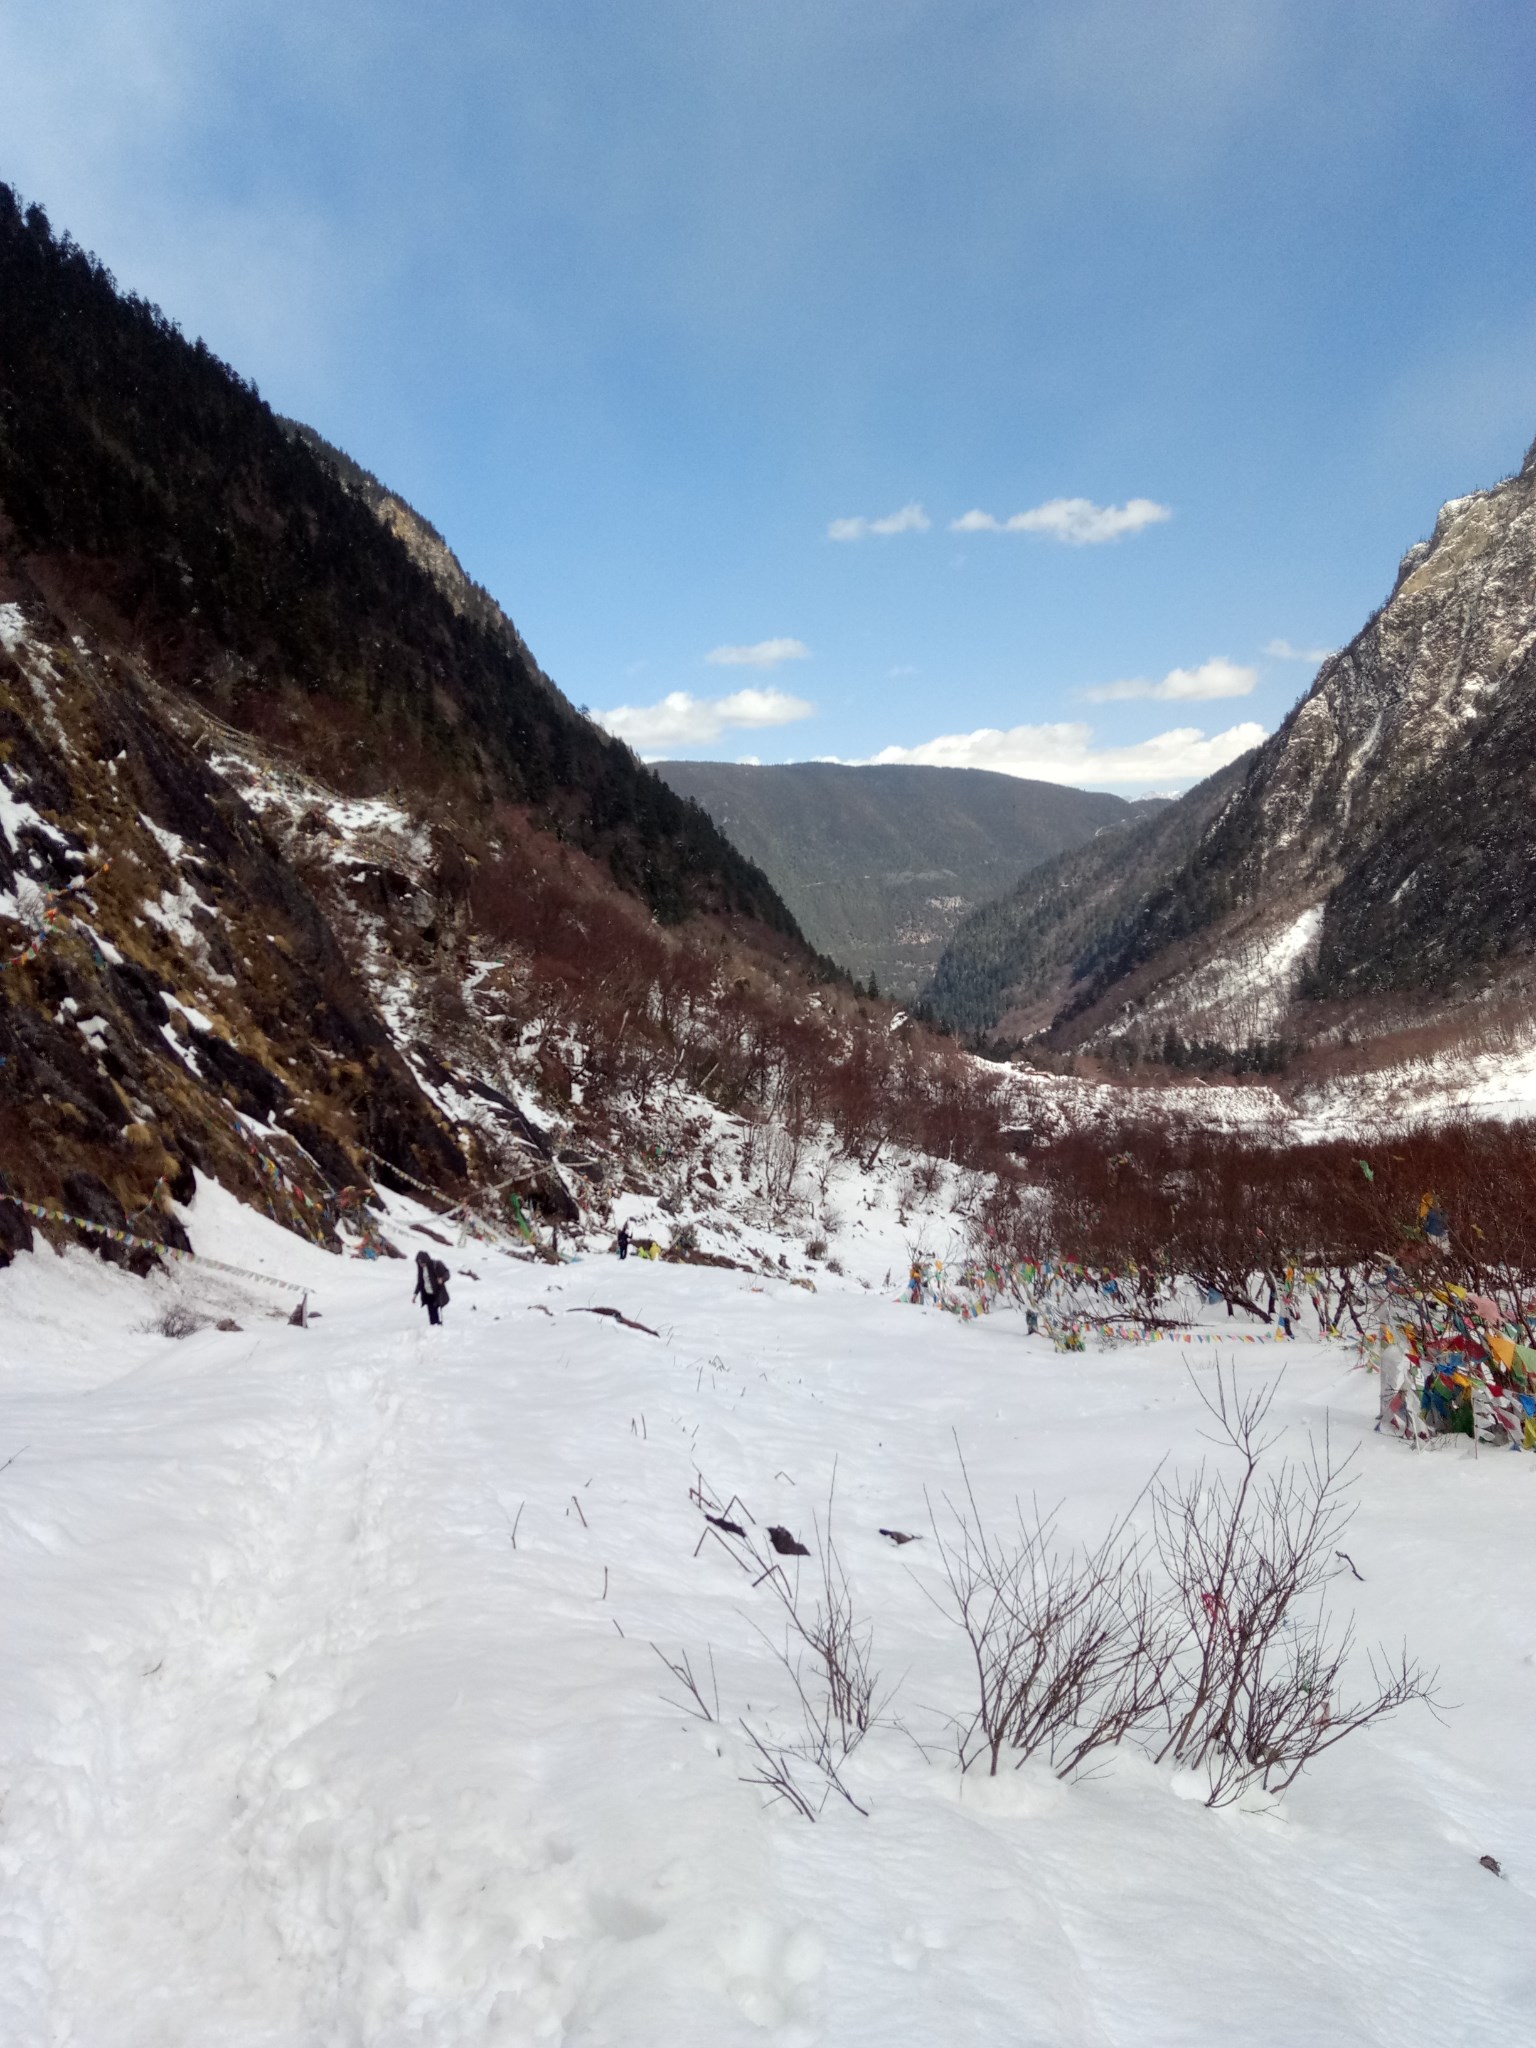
1259 1223
712 1008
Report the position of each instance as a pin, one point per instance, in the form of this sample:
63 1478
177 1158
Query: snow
171 844
18 816
173 911
13 627
1245 991
300 1746
1498 1084
198 1019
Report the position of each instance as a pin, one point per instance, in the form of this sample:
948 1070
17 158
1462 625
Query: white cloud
1067 753
681 720
1282 650
1217 677
910 519
1077 521
761 654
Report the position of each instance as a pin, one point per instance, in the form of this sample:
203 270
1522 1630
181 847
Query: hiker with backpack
431 1286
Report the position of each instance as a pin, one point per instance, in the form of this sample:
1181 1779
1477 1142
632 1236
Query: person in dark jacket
623 1240
431 1286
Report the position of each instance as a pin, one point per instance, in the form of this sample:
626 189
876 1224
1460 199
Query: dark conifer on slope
151 488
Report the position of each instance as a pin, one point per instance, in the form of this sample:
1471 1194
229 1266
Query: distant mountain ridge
879 864
1381 844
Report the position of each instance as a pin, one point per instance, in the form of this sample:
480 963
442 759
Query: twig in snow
577 1505
773 1773
628 1321
682 1671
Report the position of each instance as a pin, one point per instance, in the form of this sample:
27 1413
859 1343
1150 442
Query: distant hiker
431 1286
623 1241
1031 1322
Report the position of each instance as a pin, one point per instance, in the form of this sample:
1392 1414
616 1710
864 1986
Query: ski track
300 1750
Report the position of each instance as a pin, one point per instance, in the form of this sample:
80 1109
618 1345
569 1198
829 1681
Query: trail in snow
300 1749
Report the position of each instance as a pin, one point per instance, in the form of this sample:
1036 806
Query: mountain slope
880 864
1379 850
280 792
313 884
172 994
152 492
1011 962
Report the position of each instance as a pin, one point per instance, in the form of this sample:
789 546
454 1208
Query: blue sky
744 330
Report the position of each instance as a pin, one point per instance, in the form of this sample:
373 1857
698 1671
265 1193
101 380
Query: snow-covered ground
301 1746
1499 1085
1442 1088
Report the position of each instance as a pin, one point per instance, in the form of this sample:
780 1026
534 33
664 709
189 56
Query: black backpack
440 1279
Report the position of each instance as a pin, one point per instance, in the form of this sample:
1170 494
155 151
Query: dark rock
15 1231
85 1195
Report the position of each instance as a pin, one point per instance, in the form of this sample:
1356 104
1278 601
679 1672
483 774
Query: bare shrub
693 1701
1261 1666
826 1652
1272 1229
1215 1649
176 1320
688 1004
1072 1650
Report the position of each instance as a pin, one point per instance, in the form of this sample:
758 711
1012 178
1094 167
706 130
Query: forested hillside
311 882
880 864
1020 954
151 490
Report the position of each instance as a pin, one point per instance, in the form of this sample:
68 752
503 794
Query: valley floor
329 1712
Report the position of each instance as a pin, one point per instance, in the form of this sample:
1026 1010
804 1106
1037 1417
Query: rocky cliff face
1377 843
171 993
